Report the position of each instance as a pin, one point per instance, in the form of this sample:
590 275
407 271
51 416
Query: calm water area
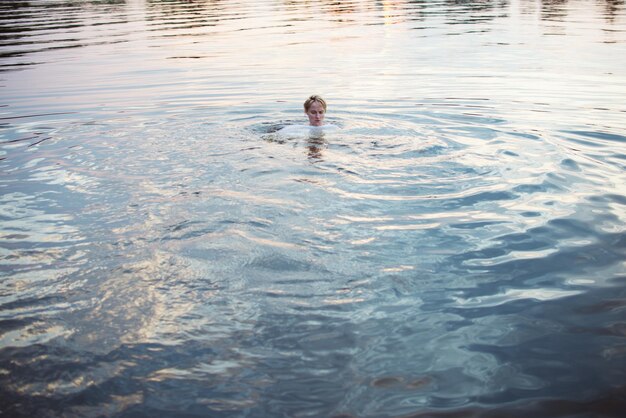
456 247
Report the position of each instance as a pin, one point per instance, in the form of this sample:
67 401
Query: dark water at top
456 249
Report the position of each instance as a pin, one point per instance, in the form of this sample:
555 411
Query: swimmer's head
315 109
313 99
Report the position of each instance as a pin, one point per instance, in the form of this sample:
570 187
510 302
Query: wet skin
316 114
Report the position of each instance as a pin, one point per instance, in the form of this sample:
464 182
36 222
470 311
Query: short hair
313 99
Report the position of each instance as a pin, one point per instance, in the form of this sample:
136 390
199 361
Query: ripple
516 294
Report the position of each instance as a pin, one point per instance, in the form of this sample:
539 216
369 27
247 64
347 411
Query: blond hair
313 99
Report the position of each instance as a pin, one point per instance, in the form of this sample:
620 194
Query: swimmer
315 109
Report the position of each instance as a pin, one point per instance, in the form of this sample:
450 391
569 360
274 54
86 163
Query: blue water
455 247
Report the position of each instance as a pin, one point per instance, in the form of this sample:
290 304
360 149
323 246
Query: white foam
305 131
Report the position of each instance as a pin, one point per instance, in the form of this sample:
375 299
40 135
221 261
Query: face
316 114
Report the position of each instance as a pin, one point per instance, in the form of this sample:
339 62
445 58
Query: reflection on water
456 247
32 28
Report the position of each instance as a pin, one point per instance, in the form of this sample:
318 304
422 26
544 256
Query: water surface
455 248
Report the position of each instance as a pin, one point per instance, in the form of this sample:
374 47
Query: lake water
455 248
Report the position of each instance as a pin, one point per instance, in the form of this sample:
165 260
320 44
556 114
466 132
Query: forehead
316 106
